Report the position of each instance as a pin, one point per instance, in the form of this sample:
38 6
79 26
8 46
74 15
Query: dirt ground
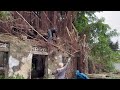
105 76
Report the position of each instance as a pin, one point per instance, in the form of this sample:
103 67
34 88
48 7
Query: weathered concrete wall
20 56
21 67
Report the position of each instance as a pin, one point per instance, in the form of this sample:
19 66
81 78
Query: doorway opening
3 64
38 66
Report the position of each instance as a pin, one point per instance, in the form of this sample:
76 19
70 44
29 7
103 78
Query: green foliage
114 46
83 19
113 33
12 77
98 36
15 77
5 15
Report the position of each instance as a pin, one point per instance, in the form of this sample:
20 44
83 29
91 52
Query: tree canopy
98 37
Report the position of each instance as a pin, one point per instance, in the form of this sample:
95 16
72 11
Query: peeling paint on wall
20 56
26 67
12 62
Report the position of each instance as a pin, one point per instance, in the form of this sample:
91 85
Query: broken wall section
20 56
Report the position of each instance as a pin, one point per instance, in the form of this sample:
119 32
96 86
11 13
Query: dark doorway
38 66
3 64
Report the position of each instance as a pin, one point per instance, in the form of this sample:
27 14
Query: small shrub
15 77
12 77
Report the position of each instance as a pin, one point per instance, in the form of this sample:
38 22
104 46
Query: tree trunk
83 61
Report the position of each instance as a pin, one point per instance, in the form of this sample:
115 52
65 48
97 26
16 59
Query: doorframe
7 50
41 51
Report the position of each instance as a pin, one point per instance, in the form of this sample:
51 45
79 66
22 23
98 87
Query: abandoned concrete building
24 47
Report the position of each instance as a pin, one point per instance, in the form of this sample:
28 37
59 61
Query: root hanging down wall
64 44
